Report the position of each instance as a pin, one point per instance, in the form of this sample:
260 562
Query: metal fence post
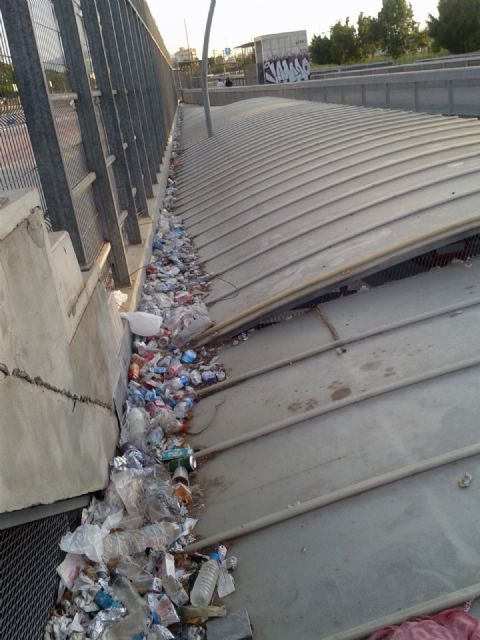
122 102
149 90
102 190
157 75
112 126
132 93
152 55
130 36
34 95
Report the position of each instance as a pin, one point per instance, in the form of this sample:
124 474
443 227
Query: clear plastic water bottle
206 581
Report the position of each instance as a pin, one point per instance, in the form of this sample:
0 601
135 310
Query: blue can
160 370
209 377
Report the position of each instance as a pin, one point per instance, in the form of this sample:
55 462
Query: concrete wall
444 91
448 62
62 350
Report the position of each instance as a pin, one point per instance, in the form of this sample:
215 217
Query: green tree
399 31
321 50
457 27
423 40
7 80
344 43
368 34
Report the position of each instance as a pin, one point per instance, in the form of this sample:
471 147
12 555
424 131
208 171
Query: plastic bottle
206 581
196 377
124 591
137 610
166 419
183 407
137 423
189 356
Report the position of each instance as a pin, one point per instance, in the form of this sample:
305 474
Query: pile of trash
126 575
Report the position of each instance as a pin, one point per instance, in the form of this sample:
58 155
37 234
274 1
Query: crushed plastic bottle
202 591
137 610
136 425
189 356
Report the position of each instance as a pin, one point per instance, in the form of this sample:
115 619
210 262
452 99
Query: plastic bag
185 322
119 298
70 568
129 486
157 632
87 540
452 624
160 504
143 324
84 591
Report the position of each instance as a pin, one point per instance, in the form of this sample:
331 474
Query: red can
133 371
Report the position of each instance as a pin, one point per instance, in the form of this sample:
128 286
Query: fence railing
442 91
87 101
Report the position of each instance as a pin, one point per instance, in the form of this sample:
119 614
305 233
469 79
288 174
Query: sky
235 23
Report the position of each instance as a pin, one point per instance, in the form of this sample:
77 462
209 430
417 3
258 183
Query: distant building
184 55
282 57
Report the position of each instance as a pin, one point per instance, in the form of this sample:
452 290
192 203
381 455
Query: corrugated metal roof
292 198
391 380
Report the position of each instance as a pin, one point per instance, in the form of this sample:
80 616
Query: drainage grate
29 554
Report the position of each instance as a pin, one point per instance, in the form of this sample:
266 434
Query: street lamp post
206 98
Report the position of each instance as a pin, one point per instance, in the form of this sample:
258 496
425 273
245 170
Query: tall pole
206 98
188 48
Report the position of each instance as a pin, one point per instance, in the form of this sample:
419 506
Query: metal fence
87 101
29 554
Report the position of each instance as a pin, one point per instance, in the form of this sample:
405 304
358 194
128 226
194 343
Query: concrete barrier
442 91
60 342
421 65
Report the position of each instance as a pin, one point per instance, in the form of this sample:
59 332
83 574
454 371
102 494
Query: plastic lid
215 556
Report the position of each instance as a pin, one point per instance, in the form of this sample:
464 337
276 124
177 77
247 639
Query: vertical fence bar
152 54
40 121
122 102
159 89
112 126
149 89
102 191
124 54
130 34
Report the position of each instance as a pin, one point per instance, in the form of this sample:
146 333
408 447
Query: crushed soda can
188 462
209 377
172 454
181 475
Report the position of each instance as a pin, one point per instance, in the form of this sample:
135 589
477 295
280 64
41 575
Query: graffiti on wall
294 68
